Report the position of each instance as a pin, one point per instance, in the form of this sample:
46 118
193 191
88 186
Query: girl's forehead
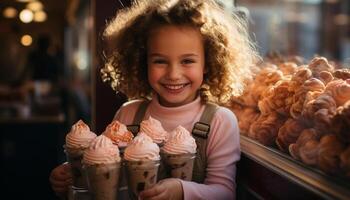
175 39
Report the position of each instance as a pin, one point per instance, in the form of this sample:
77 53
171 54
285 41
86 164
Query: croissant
326 77
320 110
305 136
247 117
309 152
298 99
288 133
333 84
249 98
319 64
342 73
340 90
298 79
267 77
345 161
276 98
341 122
288 68
265 68
330 149
265 128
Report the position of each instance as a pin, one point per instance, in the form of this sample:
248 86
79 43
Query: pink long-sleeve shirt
223 149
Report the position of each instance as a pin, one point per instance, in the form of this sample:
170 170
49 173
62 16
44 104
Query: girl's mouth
175 88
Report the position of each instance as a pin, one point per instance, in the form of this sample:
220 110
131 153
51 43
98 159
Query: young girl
180 54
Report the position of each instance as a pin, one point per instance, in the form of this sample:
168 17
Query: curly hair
229 53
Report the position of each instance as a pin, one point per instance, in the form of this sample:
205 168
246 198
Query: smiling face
175 59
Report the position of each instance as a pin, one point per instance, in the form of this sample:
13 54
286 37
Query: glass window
301 27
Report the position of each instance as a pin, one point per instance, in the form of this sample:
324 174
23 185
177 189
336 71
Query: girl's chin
174 102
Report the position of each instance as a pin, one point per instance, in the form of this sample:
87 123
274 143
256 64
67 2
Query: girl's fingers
152 192
60 183
59 177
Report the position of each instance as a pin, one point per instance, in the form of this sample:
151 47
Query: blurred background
51 53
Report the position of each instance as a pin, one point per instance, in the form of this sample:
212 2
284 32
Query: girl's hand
170 189
60 179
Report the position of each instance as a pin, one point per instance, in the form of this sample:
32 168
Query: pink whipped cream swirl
101 151
142 148
79 136
180 141
154 129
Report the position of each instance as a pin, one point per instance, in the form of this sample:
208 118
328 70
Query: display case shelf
296 173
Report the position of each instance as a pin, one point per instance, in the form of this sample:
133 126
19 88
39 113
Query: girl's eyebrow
189 54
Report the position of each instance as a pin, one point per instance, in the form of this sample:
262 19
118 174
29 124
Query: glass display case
279 160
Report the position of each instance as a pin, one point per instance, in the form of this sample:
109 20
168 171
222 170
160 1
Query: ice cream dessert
154 129
101 162
178 153
77 141
118 133
142 161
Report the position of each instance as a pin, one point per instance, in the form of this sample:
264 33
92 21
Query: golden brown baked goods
265 128
265 78
318 112
288 68
247 117
309 152
276 98
313 85
298 79
330 149
342 73
305 136
326 77
319 64
288 133
341 122
340 91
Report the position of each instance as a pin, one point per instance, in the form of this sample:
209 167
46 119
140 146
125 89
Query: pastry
330 149
265 128
289 133
305 136
319 64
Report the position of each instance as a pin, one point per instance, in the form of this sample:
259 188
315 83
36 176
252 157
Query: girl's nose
174 72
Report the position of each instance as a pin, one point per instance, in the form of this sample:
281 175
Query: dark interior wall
106 101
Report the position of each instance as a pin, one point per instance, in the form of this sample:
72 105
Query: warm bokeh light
35 6
40 16
26 40
341 19
10 12
26 16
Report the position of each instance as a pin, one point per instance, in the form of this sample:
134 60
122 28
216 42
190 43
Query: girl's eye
159 61
187 61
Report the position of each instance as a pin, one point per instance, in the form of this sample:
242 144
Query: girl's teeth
174 87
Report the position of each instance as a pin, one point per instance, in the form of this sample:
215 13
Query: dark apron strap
139 115
200 133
